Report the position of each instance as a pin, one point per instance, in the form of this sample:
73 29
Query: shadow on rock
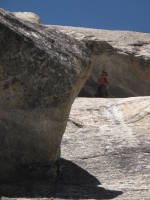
72 182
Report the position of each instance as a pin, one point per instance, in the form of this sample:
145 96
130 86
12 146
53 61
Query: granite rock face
28 16
41 72
128 64
110 139
106 154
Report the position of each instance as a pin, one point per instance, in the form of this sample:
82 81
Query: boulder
28 16
41 72
128 65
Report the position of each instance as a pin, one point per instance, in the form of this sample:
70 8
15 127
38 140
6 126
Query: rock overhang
36 101
58 49
41 72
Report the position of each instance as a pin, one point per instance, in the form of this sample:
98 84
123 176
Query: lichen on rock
41 72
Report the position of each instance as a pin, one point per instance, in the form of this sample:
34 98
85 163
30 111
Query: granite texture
41 72
105 155
127 60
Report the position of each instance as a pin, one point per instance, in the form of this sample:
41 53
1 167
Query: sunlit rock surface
110 138
127 62
27 16
105 151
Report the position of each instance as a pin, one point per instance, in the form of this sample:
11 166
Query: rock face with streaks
127 62
110 139
41 72
106 154
128 65
42 69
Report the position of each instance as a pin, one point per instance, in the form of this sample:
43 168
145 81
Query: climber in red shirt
102 90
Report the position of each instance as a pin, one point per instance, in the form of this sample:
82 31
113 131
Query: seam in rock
79 125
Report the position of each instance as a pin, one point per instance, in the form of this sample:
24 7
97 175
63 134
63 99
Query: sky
133 15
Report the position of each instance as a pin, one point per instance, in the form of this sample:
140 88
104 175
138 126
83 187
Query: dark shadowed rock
41 72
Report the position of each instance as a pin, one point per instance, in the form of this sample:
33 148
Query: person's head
104 73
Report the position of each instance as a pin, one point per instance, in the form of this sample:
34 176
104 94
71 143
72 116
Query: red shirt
103 80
